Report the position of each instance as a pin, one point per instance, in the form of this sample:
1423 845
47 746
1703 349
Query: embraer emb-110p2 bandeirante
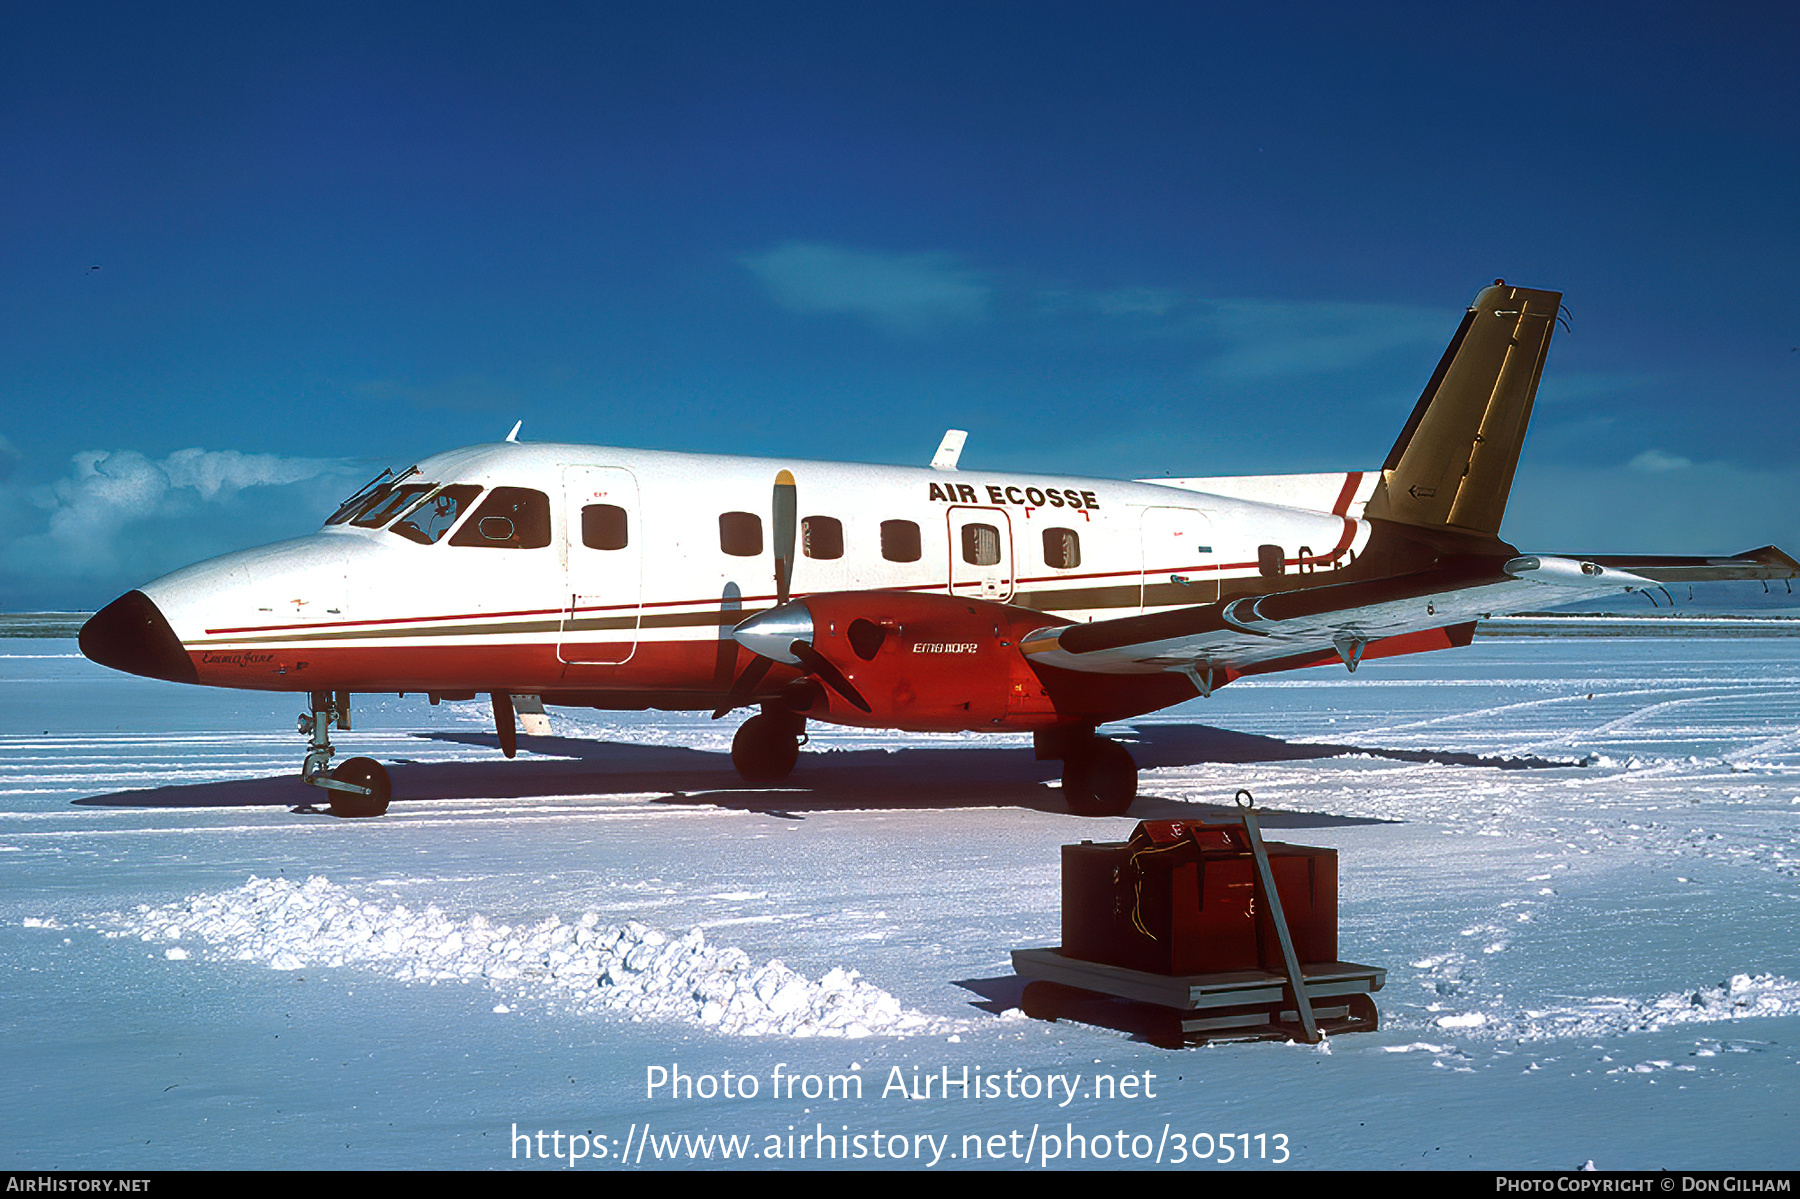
886 597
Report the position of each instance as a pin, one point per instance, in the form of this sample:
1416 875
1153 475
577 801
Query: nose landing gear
358 787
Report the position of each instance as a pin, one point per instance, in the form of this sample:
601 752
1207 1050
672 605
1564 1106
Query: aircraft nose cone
131 634
771 633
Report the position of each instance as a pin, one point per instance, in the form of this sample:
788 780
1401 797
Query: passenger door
605 565
981 554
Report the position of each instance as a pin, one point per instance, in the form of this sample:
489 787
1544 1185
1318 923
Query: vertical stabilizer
1453 464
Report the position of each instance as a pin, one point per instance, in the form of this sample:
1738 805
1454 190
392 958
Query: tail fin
1453 464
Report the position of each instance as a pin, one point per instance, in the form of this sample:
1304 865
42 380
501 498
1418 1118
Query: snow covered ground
1576 857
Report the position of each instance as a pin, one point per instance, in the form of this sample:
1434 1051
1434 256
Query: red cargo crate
1180 898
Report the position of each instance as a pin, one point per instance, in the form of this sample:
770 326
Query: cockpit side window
510 518
391 505
428 522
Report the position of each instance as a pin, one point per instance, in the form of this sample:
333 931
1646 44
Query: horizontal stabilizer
1765 563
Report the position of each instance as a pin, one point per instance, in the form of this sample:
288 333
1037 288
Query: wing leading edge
1213 643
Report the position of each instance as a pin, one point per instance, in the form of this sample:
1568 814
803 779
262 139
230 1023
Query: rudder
1453 463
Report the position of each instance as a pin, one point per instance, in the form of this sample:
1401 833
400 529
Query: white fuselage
363 608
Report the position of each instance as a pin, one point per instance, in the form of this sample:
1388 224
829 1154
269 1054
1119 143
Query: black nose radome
130 634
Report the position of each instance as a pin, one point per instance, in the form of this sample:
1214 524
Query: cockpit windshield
428 522
390 505
369 494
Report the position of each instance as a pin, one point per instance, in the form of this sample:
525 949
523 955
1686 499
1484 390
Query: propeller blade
745 684
820 666
784 508
786 504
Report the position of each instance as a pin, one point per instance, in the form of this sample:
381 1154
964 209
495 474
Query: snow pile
627 968
1743 997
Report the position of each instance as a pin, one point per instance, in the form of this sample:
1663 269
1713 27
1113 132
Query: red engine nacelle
927 663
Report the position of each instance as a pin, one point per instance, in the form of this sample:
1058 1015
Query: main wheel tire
765 749
362 772
1078 784
1100 779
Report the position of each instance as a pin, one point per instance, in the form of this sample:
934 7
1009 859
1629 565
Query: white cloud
1268 338
1249 340
120 516
901 293
1656 461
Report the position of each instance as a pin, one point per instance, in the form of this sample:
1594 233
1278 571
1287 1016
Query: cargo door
1179 567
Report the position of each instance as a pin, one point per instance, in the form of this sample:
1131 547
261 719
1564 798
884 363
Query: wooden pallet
1185 1009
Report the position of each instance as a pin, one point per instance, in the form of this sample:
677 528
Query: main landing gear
1099 775
767 745
360 786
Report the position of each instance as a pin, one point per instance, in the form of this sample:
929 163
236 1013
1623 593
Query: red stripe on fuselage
519 668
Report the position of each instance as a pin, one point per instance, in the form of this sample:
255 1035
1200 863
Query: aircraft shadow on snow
924 777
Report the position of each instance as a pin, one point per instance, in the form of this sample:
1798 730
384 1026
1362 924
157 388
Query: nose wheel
373 788
359 786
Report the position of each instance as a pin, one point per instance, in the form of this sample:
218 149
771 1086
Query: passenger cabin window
427 523
822 537
391 505
1269 560
740 534
514 518
981 545
900 541
1062 548
604 527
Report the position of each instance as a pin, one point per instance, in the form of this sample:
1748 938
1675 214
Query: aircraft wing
1215 642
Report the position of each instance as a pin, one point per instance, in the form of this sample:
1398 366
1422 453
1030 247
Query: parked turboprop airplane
888 597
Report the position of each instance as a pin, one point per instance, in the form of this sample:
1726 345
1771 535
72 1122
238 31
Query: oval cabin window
900 541
740 534
822 537
1062 548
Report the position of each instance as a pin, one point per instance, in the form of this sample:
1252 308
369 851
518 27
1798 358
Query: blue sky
1109 240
